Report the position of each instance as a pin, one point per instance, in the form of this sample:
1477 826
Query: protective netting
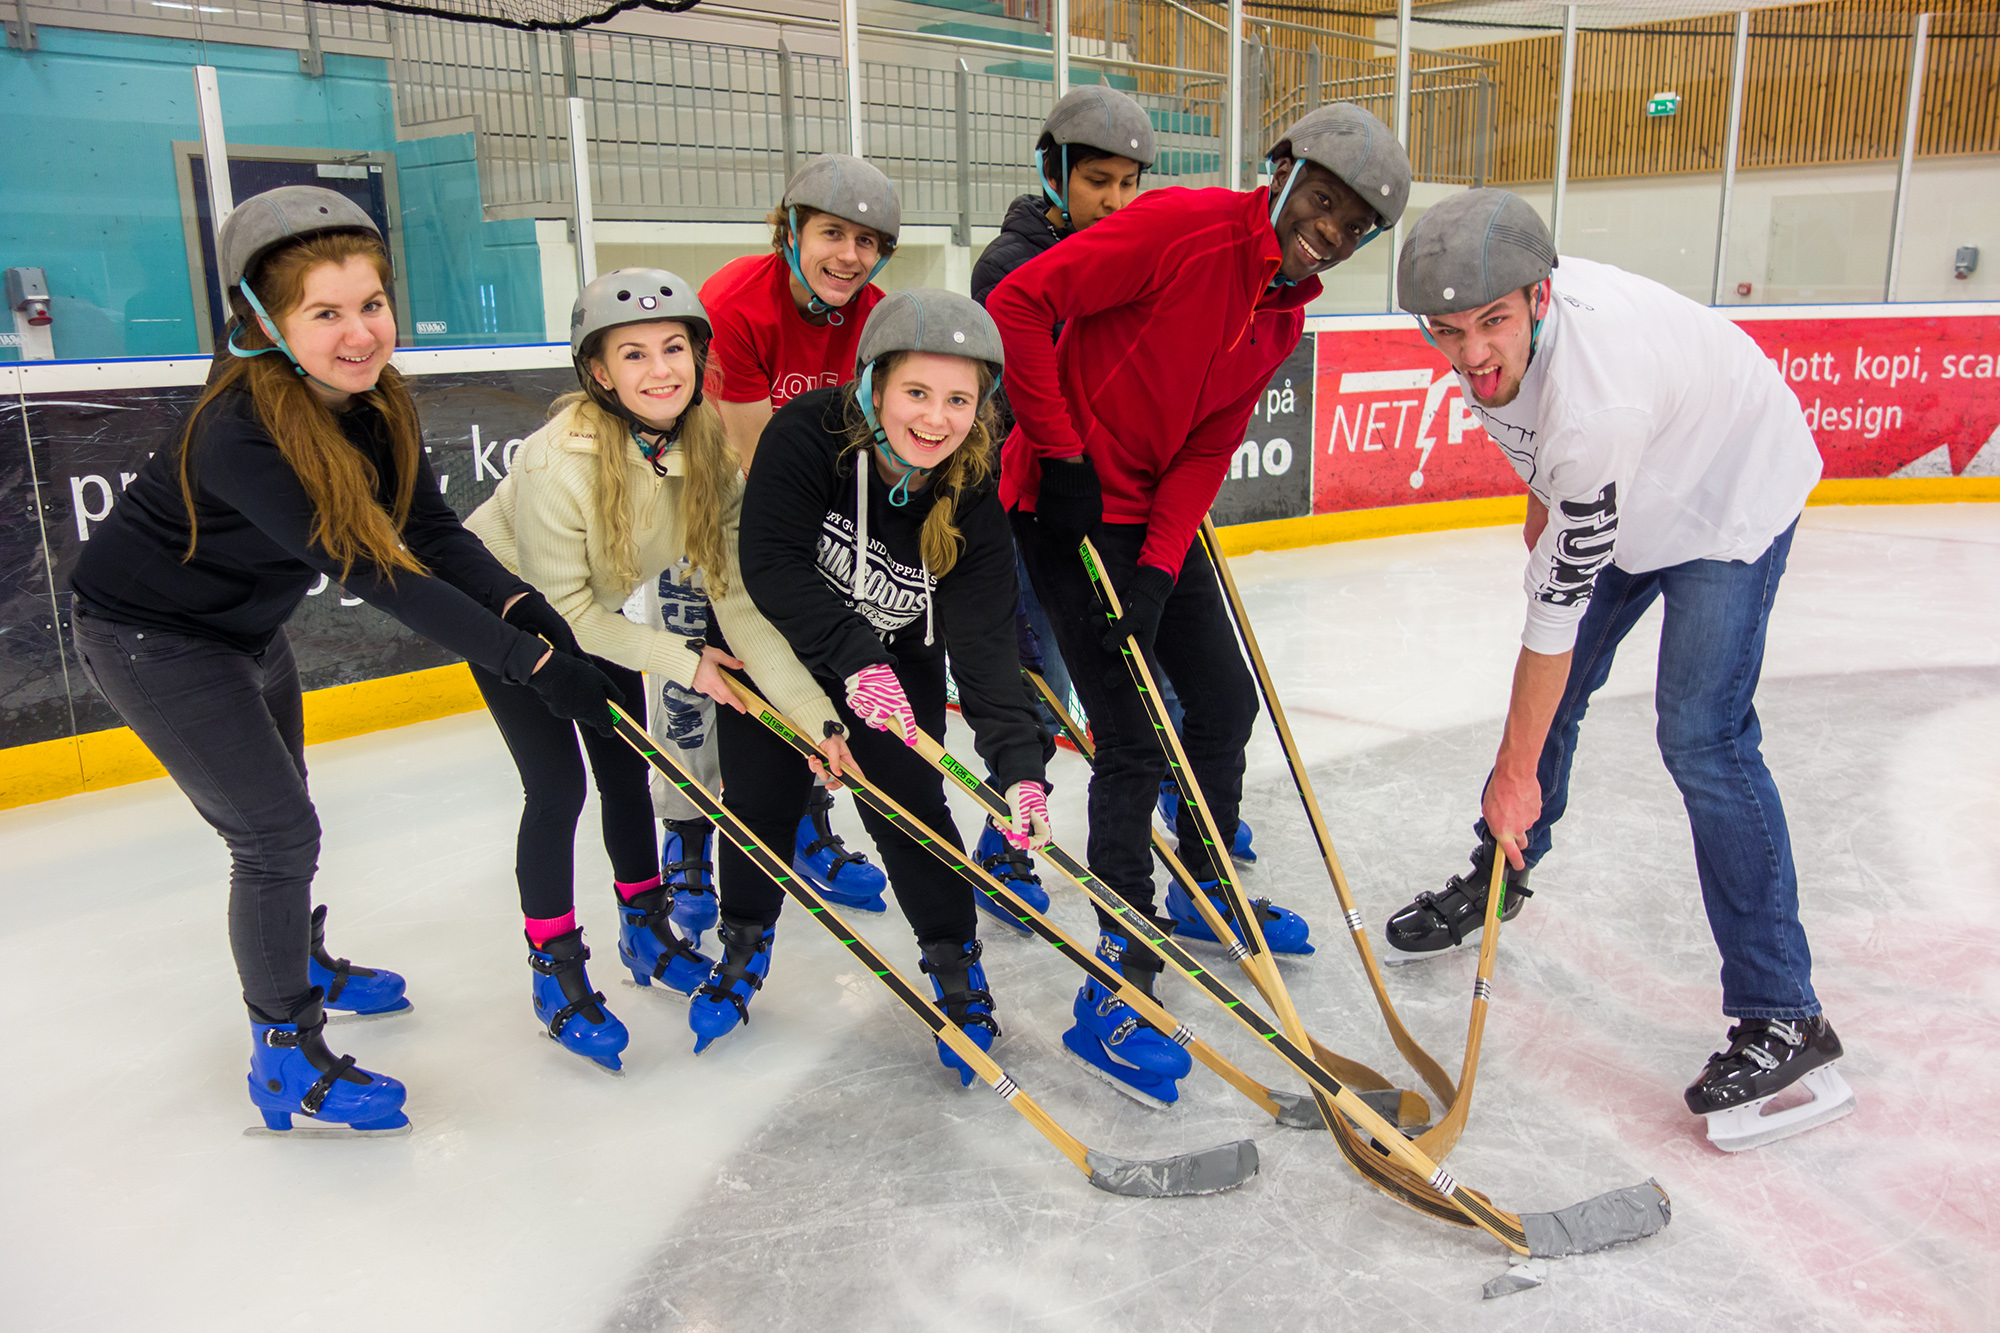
526 15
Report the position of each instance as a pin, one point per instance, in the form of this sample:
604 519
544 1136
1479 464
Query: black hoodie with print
797 554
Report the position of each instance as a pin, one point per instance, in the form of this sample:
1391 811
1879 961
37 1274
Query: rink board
1361 433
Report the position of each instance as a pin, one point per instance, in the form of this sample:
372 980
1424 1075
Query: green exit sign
1663 104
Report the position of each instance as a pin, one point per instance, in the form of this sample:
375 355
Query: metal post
1315 81
538 138
787 110
215 160
962 76
1482 131
1402 130
1180 56
850 56
1737 73
1912 113
1566 109
312 60
569 64
1232 145
21 32
579 164
1059 44
1252 109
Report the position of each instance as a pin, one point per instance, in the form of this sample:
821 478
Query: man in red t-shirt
784 323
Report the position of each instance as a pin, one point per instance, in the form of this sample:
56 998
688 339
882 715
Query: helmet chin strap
1060 200
1291 179
865 395
1544 292
814 305
278 343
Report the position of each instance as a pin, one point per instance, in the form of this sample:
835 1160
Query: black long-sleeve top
797 555
255 559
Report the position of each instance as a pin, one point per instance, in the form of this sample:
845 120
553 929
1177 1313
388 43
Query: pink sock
627 892
542 929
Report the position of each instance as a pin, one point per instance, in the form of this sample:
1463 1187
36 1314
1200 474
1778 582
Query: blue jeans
1711 654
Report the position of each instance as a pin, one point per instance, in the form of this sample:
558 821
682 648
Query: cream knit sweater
538 523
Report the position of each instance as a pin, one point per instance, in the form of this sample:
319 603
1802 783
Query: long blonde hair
969 467
708 479
349 523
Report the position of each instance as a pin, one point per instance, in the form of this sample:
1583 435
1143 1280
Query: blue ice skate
1170 809
364 992
651 950
571 1013
1113 1043
722 1005
960 983
689 873
1012 867
293 1073
1285 931
843 878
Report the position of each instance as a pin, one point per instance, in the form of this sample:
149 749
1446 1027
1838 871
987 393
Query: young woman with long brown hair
302 459
631 476
874 540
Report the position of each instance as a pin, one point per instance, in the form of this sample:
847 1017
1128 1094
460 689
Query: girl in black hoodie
873 539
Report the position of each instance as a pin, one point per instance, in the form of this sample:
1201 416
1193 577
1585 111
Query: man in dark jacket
1174 313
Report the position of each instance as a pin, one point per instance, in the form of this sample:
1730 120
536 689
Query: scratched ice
822 1171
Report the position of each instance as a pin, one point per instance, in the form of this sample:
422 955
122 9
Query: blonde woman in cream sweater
629 477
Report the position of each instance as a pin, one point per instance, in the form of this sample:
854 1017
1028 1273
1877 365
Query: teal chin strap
1279 207
666 443
864 394
815 305
1060 200
278 342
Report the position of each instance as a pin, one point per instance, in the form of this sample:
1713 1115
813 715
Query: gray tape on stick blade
1209 1171
1633 1213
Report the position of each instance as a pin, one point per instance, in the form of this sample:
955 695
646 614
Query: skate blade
656 988
1143 1098
1391 956
613 1071
1749 1126
1210 1171
344 1017
319 1131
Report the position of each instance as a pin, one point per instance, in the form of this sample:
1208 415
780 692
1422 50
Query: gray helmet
1095 116
1352 144
846 187
929 319
1470 251
263 222
634 296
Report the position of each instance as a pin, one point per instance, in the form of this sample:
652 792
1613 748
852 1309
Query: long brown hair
969 467
709 475
349 523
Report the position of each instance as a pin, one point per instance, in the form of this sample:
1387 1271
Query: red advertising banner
1899 394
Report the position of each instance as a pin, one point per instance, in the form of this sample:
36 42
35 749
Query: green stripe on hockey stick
1206 1172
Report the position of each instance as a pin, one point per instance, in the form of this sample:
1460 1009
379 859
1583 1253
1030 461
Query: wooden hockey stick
1385 1158
1411 1110
1291 1109
1206 1172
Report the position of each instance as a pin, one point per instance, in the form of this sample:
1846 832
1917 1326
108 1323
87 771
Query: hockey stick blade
1210 1171
1613 1218
1301 1112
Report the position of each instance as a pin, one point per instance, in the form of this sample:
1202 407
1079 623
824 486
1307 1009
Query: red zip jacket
1172 331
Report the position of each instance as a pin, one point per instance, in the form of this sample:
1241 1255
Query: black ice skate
1438 922
1766 1056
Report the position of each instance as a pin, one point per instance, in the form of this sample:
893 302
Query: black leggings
544 750
766 782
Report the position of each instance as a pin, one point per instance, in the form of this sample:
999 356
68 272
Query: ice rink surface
821 1171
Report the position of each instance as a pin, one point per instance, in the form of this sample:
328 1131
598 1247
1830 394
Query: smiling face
927 404
342 330
836 256
650 367
1100 187
1490 345
1323 222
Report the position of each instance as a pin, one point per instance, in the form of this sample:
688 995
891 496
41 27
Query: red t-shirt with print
763 347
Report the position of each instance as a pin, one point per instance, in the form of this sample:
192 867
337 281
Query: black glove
574 689
1069 504
1143 601
534 614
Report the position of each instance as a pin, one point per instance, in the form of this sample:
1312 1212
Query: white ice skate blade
657 988
1143 1098
1751 1126
345 1017
1391 956
319 1131
581 1059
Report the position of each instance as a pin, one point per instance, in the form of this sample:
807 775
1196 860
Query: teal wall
87 187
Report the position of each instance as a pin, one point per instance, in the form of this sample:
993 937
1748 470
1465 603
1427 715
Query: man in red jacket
1175 312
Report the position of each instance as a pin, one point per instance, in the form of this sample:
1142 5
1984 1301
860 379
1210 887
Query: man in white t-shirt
1665 460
